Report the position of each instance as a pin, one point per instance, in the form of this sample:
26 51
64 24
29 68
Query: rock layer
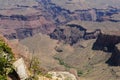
21 21
73 33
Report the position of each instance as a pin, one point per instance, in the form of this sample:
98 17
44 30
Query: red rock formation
44 17
18 28
72 34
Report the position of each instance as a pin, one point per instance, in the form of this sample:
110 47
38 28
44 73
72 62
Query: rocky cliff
109 43
21 21
73 34
106 41
85 4
115 57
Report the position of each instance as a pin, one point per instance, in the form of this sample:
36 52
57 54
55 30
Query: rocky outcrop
22 26
115 57
117 50
106 42
21 33
20 17
73 33
62 75
21 69
109 43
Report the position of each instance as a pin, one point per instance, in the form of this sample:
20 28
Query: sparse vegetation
6 59
79 73
48 76
36 70
61 62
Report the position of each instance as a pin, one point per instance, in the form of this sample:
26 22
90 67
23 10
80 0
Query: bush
6 59
36 70
48 76
79 73
61 62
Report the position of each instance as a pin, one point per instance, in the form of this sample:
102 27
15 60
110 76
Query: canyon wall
115 57
73 33
110 44
106 42
26 20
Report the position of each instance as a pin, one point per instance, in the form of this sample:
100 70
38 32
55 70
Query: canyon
21 21
78 36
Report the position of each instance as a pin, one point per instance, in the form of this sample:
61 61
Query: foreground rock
21 69
62 75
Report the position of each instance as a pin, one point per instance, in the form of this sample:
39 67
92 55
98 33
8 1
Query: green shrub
61 62
79 73
6 59
36 70
2 77
48 76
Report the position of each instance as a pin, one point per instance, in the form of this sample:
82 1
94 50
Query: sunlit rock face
21 19
21 69
24 18
62 75
85 4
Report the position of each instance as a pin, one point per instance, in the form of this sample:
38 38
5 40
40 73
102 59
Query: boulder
20 68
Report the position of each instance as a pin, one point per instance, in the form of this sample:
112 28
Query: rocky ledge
73 33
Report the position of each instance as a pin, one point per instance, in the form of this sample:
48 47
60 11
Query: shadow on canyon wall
107 43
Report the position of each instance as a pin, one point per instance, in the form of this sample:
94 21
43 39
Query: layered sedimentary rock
85 4
21 21
72 34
